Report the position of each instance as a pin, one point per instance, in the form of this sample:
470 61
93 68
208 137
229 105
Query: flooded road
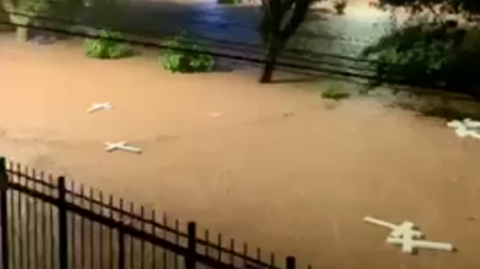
277 169
236 26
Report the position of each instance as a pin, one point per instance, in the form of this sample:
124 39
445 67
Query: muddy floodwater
269 165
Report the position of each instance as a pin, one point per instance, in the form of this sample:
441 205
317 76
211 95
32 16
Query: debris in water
122 145
99 106
465 128
408 237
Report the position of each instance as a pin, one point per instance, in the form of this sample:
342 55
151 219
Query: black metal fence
49 223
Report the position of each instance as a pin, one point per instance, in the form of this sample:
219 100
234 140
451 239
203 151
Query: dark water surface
232 29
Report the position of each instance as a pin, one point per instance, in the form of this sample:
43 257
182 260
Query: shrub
335 92
184 56
104 47
424 55
340 6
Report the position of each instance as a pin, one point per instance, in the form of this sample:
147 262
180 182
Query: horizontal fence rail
49 223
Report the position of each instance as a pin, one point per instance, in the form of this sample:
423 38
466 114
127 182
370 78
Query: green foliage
425 56
340 6
409 52
23 12
27 10
335 92
104 47
229 2
185 56
29 7
469 8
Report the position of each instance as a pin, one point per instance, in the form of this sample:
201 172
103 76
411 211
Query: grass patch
335 92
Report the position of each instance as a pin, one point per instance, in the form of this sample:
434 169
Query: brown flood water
277 169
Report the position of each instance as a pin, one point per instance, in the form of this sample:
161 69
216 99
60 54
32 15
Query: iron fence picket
26 231
100 237
153 248
73 234
82 231
4 214
44 228
110 234
52 232
121 242
164 236
62 224
35 226
131 246
90 230
192 246
21 242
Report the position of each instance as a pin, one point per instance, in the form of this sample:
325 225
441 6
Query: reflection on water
341 34
236 25
344 35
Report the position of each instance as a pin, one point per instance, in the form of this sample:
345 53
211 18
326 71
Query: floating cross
122 145
466 127
409 244
397 230
407 237
99 106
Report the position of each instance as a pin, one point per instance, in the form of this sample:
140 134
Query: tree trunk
271 61
275 33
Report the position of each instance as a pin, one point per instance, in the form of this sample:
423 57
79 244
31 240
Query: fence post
62 224
4 213
291 264
190 258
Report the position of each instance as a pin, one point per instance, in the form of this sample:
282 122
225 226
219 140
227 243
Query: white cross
99 106
409 244
397 230
471 123
406 236
122 145
466 127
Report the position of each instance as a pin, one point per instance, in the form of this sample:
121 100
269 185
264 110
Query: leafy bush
340 6
184 56
335 92
425 56
104 47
